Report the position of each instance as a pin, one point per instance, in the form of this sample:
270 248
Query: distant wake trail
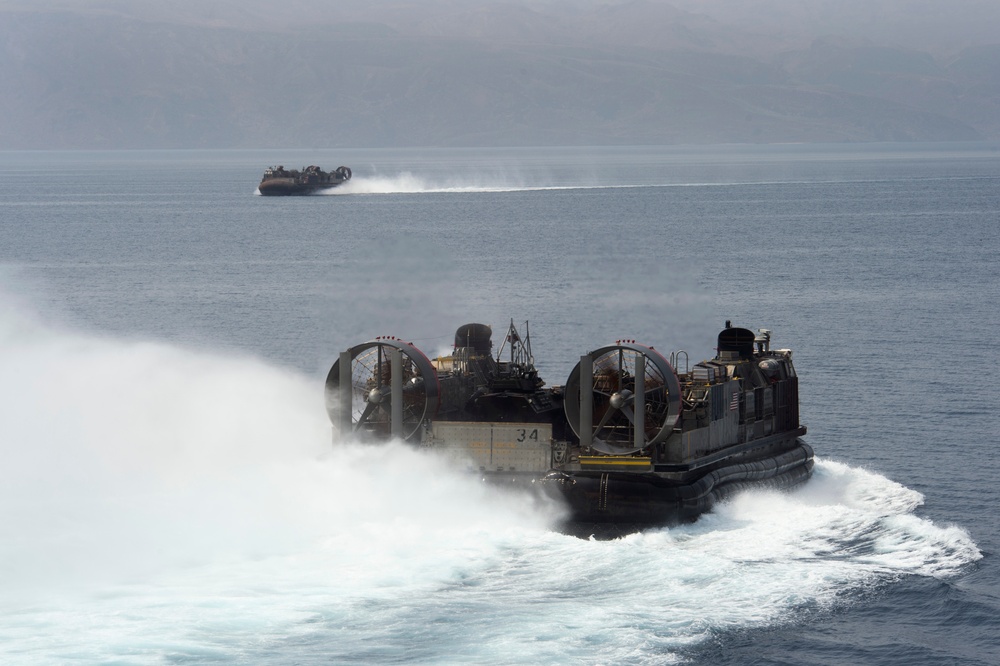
408 183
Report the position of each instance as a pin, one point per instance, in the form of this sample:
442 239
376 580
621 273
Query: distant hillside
177 74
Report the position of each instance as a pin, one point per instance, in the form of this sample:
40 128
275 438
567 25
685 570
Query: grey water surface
170 492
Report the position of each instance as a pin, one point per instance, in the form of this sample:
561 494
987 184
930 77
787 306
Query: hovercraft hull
597 499
284 188
278 181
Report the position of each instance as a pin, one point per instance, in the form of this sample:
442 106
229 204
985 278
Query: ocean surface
170 492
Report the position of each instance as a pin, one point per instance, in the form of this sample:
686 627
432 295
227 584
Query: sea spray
125 458
160 501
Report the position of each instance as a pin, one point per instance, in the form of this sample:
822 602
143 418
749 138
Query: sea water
169 488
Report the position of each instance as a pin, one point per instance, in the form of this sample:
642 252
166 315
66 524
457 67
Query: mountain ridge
92 75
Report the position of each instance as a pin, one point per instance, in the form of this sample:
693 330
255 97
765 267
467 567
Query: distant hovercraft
279 182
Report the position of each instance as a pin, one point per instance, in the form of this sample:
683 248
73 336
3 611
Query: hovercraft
632 439
279 182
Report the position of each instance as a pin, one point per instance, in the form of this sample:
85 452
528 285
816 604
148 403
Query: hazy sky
921 24
186 73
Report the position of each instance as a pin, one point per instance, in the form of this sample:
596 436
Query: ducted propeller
622 399
382 389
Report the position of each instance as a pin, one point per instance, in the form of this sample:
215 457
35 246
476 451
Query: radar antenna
520 348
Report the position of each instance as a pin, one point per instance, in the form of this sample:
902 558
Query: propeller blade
365 415
627 411
604 419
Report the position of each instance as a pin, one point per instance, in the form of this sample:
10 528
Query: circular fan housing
616 395
373 393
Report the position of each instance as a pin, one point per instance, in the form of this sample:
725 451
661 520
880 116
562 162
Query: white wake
409 183
164 503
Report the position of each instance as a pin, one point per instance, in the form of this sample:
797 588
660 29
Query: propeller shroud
633 399
393 389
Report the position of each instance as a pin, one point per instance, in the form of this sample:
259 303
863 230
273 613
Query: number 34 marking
524 434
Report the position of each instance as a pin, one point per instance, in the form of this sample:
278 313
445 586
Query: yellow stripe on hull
613 461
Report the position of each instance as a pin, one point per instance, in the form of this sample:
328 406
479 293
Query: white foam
408 183
167 501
